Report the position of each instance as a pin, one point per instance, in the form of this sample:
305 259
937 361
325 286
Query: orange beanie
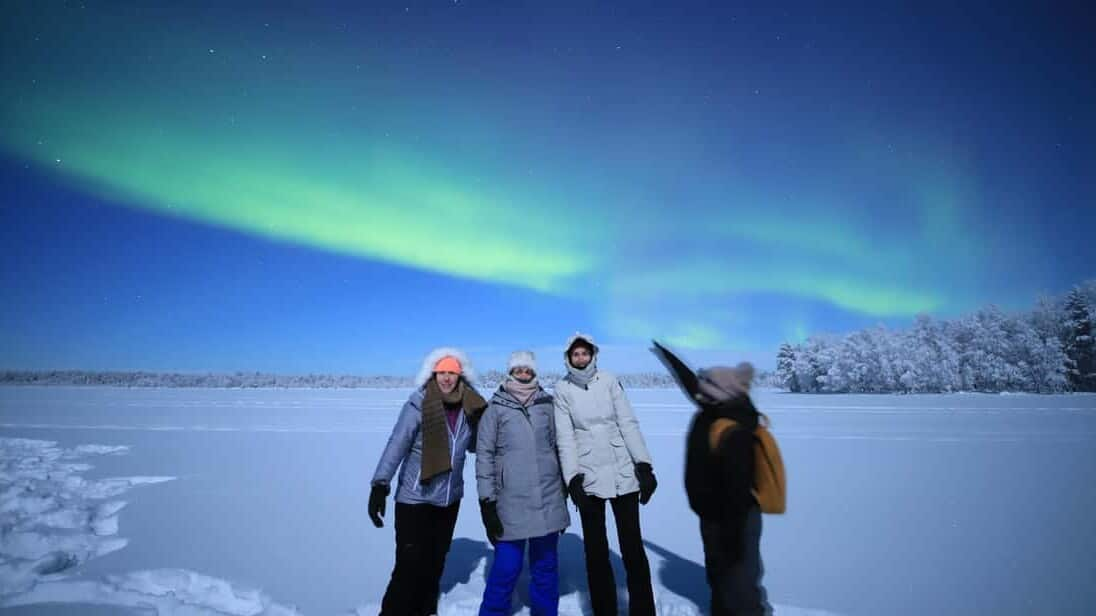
447 364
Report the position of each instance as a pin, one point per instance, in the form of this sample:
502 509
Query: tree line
1047 349
237 380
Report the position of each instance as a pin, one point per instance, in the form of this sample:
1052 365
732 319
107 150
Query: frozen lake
930 504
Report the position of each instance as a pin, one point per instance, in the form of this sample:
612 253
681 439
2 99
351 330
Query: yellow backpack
770 487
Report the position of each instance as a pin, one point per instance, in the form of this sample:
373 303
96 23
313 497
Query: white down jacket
597 434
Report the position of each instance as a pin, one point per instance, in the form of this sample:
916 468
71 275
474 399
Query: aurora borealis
336 180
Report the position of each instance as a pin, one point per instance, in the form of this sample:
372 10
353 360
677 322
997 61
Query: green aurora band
499 207
379 206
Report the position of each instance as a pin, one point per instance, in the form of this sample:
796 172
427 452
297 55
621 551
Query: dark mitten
491 522
575 489
647 482
377 498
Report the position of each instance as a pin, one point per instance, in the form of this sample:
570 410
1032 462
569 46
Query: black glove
491 522
578 494
647 482
376 503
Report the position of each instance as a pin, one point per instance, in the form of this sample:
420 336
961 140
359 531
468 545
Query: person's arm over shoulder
565 433
486 444
627 422
399 442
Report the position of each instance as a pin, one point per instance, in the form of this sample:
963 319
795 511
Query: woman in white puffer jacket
604 458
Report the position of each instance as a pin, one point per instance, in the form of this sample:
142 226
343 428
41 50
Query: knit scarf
582 377
522 392
436 453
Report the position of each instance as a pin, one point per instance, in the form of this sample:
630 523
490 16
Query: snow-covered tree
1078 342
1048 349
933 361
785 368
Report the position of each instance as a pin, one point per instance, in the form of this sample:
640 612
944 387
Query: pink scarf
522 392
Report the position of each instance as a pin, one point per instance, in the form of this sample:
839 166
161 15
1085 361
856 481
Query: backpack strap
719 428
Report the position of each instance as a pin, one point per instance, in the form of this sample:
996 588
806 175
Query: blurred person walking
728 486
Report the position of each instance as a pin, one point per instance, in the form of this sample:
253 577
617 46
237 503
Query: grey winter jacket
516 466
598 435
404 451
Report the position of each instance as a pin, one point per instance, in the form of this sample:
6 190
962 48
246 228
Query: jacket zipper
533 438
453 458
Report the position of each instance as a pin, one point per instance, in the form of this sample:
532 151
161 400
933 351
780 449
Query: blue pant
543 579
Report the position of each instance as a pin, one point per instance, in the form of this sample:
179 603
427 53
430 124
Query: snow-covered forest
1048 349
1044 350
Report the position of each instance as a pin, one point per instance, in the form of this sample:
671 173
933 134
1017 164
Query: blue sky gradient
338 188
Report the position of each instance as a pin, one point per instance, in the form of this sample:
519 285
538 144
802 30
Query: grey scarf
582 377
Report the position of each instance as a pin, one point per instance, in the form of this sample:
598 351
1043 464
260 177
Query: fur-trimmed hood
468 372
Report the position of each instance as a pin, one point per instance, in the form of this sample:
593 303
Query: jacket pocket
623 459
585 456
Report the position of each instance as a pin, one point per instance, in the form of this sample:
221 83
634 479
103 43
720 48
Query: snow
167 591
51 522
253 502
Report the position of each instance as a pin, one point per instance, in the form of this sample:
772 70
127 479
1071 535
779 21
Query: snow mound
101 450
53 519
167 591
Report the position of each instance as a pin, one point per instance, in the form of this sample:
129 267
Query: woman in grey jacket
604 458
435 429
521 490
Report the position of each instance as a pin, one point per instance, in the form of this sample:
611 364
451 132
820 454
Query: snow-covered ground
209 501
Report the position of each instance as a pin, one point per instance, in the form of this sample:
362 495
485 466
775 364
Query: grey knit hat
721 383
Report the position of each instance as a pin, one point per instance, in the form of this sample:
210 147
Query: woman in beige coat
604 458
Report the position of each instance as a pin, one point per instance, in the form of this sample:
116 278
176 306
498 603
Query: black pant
599 572
423 536
732 562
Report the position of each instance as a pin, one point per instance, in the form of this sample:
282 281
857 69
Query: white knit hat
522 358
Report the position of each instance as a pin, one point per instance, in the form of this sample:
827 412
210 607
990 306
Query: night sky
342 188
